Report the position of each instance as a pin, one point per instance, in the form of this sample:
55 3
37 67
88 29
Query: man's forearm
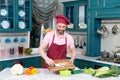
43 54
73 55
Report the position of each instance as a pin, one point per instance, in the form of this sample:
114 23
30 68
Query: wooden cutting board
61 64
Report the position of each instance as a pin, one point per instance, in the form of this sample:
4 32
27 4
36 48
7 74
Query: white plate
3 12
5 24
82 25
21 13
21 2
22 24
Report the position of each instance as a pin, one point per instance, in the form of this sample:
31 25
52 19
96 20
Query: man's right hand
50 62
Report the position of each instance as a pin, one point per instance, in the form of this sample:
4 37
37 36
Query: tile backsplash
80 40
112 40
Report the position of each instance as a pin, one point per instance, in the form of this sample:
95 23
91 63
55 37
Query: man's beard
60 32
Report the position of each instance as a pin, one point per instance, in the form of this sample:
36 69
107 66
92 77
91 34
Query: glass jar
20 49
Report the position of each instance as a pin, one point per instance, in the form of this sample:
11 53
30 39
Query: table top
45 74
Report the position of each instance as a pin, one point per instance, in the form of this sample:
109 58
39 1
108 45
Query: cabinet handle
117 6
0 67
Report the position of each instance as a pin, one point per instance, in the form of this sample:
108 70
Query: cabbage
89 71
17 69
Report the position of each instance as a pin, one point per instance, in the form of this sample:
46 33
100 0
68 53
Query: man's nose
61 28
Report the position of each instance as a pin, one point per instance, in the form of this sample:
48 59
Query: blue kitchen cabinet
34 61
83 63
111 3
77 63
98 10
98 65
1 67
104 8
76 11
93 40
80 63
92 4
100 4
5 64
27 62
15 15
108 13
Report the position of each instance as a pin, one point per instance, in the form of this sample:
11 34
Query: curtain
44 10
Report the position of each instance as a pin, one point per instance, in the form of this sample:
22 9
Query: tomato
31 67
28 72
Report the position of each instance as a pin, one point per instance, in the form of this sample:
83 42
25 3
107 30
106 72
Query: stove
117 60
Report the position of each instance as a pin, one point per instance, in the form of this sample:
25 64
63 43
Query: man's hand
50 62
71 60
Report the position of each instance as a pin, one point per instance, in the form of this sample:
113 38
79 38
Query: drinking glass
3 52
11 51
20 49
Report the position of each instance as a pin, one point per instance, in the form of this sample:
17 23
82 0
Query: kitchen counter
17 56
94 59
79 56
45 74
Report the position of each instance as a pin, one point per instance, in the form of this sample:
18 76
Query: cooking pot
102 31
115 29
105 54
116 55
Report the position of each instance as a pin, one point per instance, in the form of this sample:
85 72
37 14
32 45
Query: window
35 34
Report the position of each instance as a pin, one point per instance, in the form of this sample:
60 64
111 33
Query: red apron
56 51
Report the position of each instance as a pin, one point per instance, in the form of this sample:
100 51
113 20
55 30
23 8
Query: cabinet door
75 11
27 62
0 66
23 21
15 15
6 64
108 13
83 64
98 65
96 4
34 61
7 12
37 62
69 12
77 63
111 3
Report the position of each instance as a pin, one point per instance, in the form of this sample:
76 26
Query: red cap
62 19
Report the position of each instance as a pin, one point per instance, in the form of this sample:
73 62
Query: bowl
76 71
65 73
